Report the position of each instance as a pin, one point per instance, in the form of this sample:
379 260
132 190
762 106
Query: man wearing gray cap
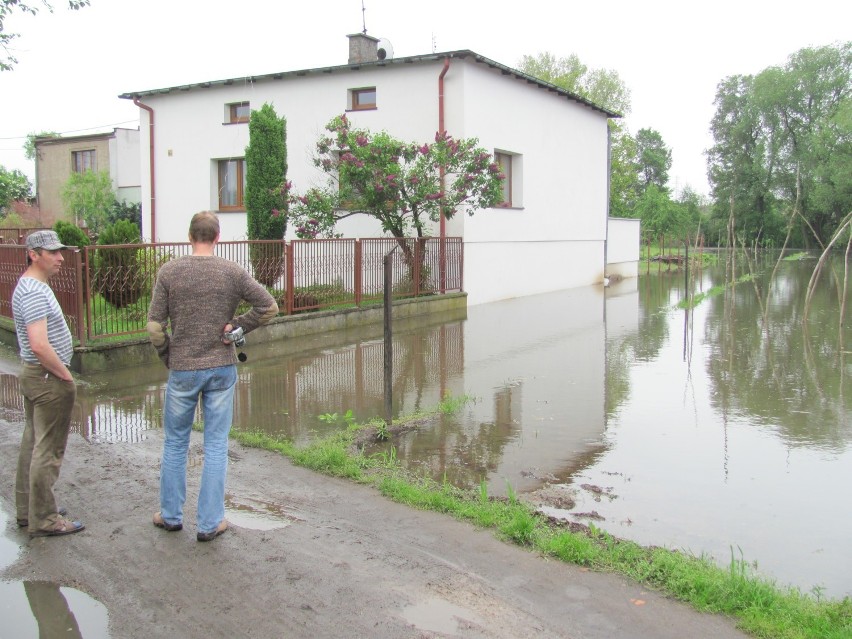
47 386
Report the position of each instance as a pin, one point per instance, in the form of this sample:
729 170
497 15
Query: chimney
362 48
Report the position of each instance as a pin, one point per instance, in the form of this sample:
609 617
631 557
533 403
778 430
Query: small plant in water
335 418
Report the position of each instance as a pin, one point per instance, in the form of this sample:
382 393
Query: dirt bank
349 564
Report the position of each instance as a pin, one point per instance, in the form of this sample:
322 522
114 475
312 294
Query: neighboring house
58 157
551 234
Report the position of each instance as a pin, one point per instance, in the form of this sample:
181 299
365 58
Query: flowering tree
399 184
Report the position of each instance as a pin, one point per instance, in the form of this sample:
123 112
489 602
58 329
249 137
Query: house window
505 162
232 184
238 112
82 161
362 99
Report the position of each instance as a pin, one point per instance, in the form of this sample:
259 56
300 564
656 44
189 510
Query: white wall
622 248
124 164
555 240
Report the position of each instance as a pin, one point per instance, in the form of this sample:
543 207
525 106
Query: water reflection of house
538 367
551 232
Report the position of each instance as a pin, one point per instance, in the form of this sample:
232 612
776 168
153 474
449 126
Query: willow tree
266 204
783 146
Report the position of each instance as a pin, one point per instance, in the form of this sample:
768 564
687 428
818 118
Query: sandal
159 522
23 523
61 527
210 536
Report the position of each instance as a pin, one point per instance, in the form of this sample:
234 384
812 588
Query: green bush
116 270
70 234
125 211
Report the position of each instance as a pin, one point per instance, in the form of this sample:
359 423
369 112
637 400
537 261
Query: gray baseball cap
47 240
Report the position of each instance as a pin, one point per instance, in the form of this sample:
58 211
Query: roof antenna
363 18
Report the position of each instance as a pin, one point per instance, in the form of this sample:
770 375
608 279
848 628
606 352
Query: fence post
388 320
82 302
290 293
357 274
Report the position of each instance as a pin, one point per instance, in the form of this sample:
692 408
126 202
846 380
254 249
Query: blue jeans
215 386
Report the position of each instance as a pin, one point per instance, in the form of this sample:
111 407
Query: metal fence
106 290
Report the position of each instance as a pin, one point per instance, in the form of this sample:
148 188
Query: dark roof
432 57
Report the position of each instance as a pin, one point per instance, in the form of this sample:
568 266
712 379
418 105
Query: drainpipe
151 164
442 261
441 129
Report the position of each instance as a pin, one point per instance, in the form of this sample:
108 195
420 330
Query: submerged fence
106 290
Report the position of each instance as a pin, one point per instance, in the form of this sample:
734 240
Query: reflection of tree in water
786 374
462 451
655 301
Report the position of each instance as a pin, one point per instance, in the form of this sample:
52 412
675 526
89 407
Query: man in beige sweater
192 308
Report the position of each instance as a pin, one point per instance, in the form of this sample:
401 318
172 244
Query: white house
553 145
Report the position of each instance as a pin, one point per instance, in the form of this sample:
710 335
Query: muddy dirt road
349 564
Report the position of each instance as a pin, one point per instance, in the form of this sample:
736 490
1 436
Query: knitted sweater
197 295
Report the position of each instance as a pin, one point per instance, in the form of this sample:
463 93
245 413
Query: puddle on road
9 549
437 615
46 609
256 515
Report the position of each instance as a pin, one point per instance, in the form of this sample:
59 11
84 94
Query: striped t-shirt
34 300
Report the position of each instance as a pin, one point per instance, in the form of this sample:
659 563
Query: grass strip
761 607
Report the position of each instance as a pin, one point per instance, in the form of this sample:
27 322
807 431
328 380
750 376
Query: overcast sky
671 55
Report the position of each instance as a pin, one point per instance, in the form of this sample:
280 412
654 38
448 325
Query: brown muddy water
724 430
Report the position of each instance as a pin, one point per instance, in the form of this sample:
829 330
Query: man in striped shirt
47 386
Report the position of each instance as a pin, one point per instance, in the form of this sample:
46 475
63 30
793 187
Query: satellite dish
385 49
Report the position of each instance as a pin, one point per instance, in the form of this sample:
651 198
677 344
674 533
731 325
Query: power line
102 126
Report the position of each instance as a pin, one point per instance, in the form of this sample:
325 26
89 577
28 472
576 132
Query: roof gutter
150 164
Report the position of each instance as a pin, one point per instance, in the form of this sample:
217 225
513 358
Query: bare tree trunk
818 269
793 215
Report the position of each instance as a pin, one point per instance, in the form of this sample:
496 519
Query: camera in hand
236 336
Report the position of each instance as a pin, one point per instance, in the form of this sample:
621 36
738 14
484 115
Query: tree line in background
781 162
780 168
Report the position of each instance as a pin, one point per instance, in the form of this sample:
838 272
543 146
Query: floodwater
722 430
